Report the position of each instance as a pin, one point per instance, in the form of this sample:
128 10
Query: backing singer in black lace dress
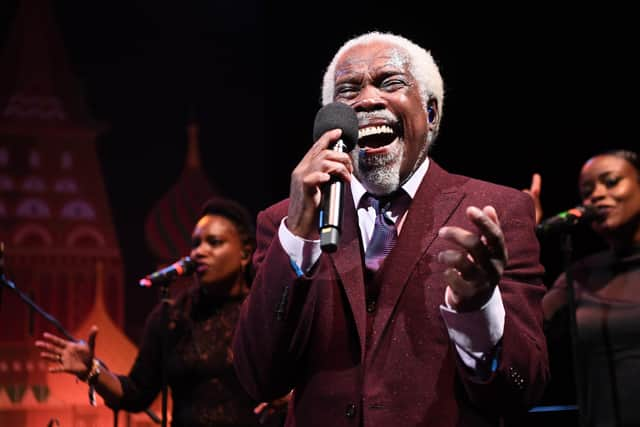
203 384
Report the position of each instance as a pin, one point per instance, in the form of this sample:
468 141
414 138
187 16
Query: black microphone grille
589 212
565 221
189 265
337 116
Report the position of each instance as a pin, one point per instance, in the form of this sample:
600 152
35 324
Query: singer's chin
379 174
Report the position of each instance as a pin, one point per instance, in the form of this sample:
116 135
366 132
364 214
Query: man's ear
432 111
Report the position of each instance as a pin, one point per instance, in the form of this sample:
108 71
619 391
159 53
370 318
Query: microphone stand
567 250
164 300
24 297
4 282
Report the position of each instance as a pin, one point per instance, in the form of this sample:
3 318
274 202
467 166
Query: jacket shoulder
275 212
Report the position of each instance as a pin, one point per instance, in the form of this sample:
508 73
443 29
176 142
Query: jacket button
516 378
350 411
371 306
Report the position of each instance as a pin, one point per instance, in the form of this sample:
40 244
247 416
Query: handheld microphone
334 116
182 267
564 221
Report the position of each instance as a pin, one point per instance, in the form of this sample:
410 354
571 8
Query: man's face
375 80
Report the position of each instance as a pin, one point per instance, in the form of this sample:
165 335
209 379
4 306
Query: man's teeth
374 130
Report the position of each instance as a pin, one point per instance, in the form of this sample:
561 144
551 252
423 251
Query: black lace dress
204 388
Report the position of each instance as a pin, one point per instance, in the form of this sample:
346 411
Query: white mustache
366 117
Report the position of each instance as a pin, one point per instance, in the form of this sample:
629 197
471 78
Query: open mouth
376 136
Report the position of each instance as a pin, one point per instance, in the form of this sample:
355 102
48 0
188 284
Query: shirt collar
410 187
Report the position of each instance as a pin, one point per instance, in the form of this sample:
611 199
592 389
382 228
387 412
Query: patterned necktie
385 233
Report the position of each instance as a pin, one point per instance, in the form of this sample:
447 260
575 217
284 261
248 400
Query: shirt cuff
303 252
477 332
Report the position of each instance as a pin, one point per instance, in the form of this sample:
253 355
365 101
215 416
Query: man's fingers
326 162
457 283
486 248
336 167
338 157
490 212
491 234
460 262
486 220
470 242
324 141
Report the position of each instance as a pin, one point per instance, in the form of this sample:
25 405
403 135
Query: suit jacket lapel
433 204
347 261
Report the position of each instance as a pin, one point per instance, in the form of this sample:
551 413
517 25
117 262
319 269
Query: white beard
379 174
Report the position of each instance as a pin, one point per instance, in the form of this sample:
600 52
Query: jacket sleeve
275 319
522 368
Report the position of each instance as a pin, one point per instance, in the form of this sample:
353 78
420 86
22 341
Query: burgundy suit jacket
308 333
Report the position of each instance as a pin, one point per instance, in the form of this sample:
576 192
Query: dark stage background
532 89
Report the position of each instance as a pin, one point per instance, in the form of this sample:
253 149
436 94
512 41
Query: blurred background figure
607 292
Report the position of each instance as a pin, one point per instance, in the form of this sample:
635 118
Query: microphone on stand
183 267
335 115
566 220
1 269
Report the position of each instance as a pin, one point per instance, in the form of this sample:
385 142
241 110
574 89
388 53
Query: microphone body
183 267
566 220
335 115
331 210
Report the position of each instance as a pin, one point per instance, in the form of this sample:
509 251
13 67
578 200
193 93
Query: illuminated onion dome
169 224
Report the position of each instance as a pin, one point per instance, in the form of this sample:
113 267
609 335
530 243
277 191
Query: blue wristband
296 268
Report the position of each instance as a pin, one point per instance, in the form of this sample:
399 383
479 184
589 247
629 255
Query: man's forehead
373 55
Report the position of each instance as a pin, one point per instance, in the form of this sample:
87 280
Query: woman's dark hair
240 217
234 212
628 155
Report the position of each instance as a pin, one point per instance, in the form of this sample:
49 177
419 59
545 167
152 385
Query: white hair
421 66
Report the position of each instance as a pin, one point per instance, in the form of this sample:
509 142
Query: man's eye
392 84
346 90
